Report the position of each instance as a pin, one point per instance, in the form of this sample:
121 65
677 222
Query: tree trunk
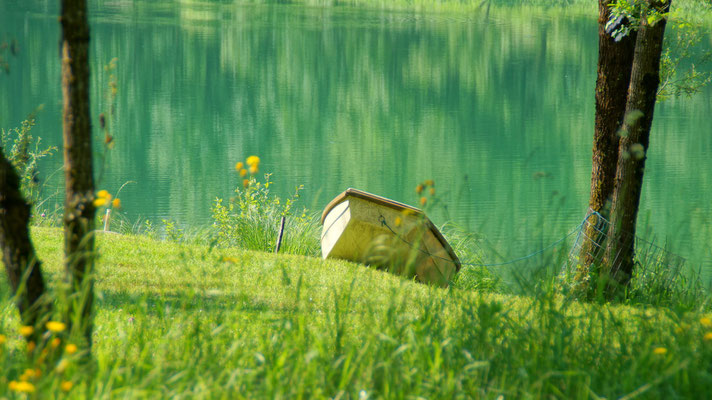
645 79
79 181
615 61
18 253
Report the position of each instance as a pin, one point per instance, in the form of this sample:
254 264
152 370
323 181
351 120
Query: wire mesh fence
655 267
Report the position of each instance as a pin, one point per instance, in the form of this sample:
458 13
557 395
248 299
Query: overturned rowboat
363 227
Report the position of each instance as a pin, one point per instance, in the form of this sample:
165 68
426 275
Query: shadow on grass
160 304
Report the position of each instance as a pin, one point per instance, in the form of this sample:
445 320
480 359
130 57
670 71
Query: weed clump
24 151
251 219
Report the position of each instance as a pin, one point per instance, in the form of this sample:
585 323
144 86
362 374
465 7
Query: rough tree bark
615 61
640 106
18 253
79 180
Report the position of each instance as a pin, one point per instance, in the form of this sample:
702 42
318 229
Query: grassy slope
188 321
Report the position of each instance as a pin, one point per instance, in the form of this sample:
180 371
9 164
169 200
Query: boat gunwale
398 206
360 194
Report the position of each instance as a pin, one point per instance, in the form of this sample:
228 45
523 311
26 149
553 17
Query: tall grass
251 220
473 275
184 321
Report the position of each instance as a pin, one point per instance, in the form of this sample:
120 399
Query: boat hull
362 227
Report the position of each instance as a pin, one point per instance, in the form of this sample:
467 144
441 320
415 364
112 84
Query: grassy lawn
188 321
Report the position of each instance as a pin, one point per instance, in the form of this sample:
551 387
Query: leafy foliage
684 65
24 151
683 62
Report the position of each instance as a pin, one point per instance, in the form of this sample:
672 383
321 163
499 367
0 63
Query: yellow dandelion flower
245 183
26 330
708 336
31 346
253 169
429 182
55 326
116 203
706 322
660 351
56 342
243 172
100 201
239 166
253 161
3 339
22 387
432 191
103 194
398 221
12 386
419 188
423 200
66 386
71 348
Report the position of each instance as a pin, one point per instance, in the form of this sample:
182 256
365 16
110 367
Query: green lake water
497 109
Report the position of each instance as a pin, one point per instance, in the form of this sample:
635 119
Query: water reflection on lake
497 110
